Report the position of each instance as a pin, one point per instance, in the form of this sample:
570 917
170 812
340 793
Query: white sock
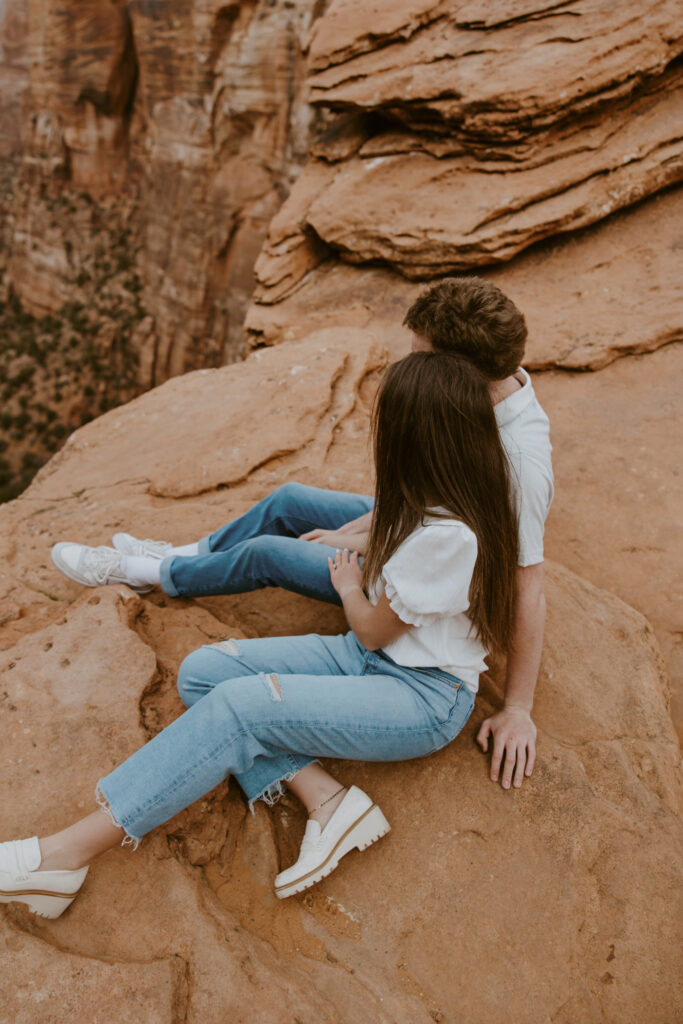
186 550
140 570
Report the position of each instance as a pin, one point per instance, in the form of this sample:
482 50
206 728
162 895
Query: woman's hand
345 572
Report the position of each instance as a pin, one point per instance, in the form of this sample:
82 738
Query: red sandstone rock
427 215
616 515
610 290
586 852
483 69
45 983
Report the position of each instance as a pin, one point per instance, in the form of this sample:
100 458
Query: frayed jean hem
271 793
103 803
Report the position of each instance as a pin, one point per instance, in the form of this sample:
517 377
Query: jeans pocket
461 708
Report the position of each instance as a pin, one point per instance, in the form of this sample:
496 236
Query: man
285 540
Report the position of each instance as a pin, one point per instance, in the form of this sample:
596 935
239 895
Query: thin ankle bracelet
340 790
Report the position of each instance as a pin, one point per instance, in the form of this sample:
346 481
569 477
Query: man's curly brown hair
472 318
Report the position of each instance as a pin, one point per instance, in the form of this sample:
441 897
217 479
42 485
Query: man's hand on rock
514 738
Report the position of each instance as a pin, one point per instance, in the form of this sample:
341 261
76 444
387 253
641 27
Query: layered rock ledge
474 130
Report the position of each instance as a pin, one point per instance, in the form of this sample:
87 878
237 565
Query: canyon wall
14 74
185 121
151 146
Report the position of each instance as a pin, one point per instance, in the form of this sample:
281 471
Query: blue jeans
262 549
263 709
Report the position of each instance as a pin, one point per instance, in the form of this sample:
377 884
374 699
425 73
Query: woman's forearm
374 625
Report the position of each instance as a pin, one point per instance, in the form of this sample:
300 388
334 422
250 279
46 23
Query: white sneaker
93 567
47 893
355 824
129 545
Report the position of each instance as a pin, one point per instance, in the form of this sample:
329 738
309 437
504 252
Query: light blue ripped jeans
263 709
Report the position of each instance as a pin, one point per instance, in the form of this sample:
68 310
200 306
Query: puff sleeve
428 577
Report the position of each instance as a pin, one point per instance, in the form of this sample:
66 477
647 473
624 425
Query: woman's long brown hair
436 443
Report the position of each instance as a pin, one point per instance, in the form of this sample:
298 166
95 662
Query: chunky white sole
365 831
41 902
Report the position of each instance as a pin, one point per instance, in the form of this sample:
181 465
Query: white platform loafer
46 893
127 544
356 824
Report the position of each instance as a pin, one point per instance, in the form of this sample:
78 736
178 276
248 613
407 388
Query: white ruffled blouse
427 581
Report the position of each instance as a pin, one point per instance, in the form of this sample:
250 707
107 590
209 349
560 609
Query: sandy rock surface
49 984
616 519
568 876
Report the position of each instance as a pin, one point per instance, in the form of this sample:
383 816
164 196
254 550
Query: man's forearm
524 658
360 525
512 728
358 542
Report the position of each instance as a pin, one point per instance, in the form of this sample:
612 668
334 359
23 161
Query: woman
434 594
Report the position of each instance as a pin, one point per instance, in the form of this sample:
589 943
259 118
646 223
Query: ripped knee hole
273 684
228 646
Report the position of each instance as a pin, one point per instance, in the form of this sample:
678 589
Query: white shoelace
150 548
102 562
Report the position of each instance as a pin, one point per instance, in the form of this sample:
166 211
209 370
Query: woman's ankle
54 857
80 843
323 813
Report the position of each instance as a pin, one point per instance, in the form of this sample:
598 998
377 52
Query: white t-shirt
525 433
427 582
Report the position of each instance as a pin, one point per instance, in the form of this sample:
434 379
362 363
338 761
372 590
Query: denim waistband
379 658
